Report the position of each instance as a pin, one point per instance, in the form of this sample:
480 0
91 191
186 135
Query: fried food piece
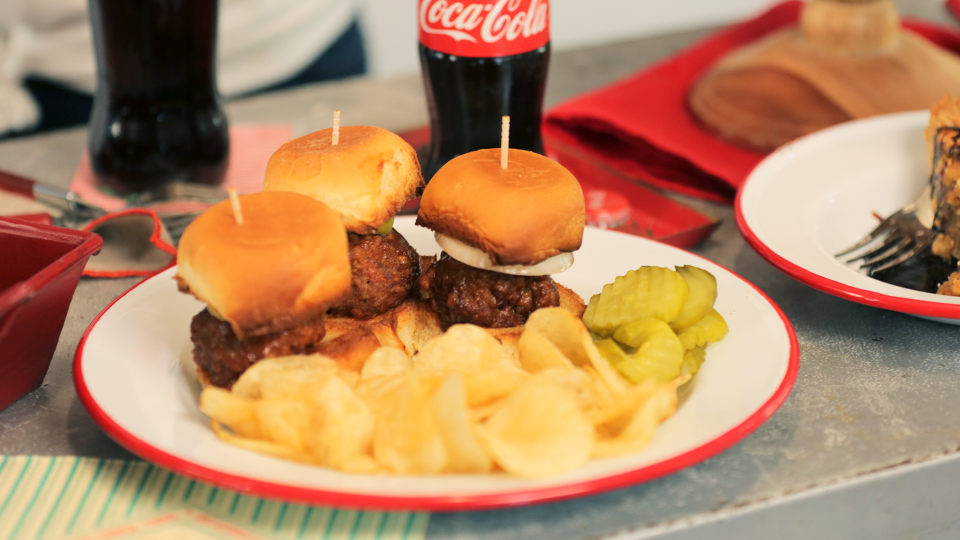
464 294
222 356
384 270
951 287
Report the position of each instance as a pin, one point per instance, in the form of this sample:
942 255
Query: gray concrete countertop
866 446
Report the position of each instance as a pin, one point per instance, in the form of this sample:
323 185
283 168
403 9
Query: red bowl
40 266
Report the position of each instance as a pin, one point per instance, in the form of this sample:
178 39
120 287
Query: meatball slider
267 273
366 177
503 231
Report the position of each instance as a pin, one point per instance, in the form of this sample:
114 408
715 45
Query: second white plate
817 196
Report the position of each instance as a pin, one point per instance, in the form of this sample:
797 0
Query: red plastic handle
16 184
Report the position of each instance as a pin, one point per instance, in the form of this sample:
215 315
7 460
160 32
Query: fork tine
884 226
917 248
896 246
904 245
886 244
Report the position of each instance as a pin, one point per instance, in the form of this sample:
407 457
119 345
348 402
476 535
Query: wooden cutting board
847 59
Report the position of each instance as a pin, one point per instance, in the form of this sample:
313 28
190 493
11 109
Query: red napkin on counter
640 126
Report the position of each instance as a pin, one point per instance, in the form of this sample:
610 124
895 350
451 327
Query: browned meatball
463 294
385 268
223 356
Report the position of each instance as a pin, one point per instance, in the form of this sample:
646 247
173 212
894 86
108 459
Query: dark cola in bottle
157 115
481 60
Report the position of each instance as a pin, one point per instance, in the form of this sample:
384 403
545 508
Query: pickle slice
603 323
692 360
591 310
700 300
648 292
659 352
635 333
709 329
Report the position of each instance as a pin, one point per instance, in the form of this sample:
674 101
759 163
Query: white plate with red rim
129 376
818 195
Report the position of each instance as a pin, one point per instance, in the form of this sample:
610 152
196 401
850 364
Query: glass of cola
157 115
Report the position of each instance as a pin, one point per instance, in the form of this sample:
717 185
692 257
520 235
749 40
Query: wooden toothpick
235 203
336 127
504 142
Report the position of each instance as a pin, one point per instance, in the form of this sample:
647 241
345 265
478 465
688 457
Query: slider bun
286 264
524 214
366 177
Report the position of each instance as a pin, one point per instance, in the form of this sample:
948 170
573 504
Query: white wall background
390 26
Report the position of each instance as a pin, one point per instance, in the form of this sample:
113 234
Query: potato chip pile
464 404
655 323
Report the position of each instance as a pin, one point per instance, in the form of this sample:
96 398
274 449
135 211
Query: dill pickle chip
588 314
692 360
699 301
650 291
611 352
659 352
602 323
635 333
709 329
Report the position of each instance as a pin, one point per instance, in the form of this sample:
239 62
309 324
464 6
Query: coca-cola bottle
157 115
482 60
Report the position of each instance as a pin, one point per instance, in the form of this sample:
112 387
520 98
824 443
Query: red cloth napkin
640 125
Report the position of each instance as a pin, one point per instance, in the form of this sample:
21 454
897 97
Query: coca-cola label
484 28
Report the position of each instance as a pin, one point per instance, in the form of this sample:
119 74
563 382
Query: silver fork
901 236
176 221
75 212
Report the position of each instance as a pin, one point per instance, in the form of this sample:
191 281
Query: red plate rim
912 306
447 503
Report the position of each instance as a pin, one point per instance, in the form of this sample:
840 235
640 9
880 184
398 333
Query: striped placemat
58 497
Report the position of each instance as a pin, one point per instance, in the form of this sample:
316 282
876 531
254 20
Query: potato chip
351 349
374 391
611 420
230 410
386 335
362 464
342 427
485 387
465 454
538 431
248 386
604 395
538 353
630 431
406 439
580 384
386 362
463 348
283 422
572 338
482 412
259 445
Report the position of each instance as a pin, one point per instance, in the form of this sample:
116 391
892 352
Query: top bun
366 177
524 214
285 264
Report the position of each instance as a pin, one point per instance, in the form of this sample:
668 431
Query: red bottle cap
606 209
